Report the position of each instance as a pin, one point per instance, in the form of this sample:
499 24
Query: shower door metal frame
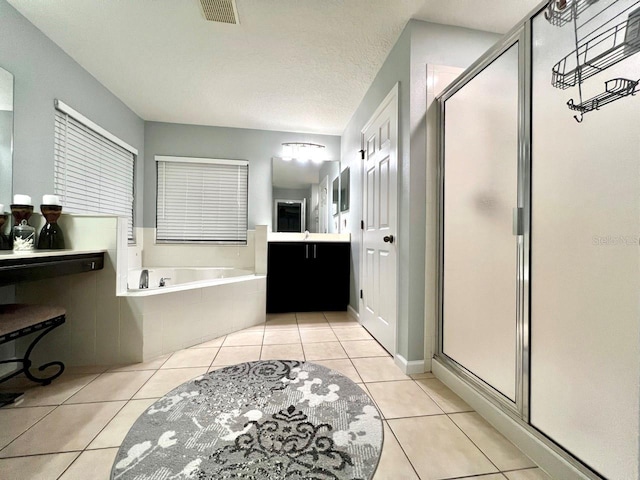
519 409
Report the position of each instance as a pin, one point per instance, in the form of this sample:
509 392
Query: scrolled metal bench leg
28 363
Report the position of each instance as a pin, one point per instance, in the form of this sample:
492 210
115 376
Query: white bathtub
194 306
184 278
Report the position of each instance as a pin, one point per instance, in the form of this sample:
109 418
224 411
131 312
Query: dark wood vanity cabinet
308 276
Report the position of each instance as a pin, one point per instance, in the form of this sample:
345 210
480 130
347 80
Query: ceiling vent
224 11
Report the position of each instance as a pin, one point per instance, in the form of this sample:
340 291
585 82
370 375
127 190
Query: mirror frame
6 187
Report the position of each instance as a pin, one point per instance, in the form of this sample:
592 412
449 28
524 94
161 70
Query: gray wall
256 146
420 43
42 73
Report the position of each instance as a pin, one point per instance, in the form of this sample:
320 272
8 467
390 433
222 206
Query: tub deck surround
168 319
175 279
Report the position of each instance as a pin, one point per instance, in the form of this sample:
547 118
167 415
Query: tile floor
72 428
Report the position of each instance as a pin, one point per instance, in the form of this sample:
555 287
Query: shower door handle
518 221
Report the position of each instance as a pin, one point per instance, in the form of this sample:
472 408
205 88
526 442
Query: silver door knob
388 238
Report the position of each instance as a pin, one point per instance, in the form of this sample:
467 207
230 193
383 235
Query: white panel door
323 206
380 204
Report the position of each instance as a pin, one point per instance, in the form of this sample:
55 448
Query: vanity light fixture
302 151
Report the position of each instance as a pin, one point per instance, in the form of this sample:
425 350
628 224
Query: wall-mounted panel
585 263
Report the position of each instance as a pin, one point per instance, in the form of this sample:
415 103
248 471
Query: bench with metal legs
19 320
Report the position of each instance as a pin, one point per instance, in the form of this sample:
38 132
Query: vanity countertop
6 255
39 264
308 237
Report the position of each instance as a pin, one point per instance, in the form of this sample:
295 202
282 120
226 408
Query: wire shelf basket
598 53
561 12
614 89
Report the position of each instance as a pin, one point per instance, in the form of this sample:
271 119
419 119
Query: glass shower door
480 250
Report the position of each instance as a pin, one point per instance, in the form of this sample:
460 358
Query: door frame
519 409
392 96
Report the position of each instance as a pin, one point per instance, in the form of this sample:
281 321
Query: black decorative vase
51 236
5 242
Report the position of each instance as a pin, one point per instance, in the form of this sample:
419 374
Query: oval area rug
271 419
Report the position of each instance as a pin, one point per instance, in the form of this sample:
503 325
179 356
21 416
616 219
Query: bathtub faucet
163 281
144 279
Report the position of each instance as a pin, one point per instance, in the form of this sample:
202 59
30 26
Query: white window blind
92 173
201 200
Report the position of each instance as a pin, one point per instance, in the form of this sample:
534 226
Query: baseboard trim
353 313
522 436
409 367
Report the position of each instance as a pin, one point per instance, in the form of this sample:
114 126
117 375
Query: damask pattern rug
277 419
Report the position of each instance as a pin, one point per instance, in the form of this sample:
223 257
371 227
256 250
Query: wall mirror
335 196
302 195
344 190
6 137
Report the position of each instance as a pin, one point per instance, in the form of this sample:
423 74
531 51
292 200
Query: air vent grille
224 11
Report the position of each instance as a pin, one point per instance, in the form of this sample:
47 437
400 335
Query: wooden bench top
17 316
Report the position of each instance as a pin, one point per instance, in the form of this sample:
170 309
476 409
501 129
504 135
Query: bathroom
122 328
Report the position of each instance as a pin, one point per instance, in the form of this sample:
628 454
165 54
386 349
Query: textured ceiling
490 15
292 65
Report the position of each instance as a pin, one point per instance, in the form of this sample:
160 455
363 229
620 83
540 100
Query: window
201 200
93 170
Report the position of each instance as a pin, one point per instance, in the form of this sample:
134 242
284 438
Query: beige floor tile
113 434
16 421
493 476
281 337
112 386
316 335
39 467
84 369
92 464
308 316
352 333
311 322
242 338
282 326
418 376
340 314
163 381
154 364
233 355
323 351
191 357
394 464
216 342
504 454
56 392
530 474
282 352
274 318
342 365
255 328
443 396
364 348
378 369
402 399
343 321
67 428
438 449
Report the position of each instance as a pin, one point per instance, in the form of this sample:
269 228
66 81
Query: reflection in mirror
290 215
344 190
6 137
307 183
